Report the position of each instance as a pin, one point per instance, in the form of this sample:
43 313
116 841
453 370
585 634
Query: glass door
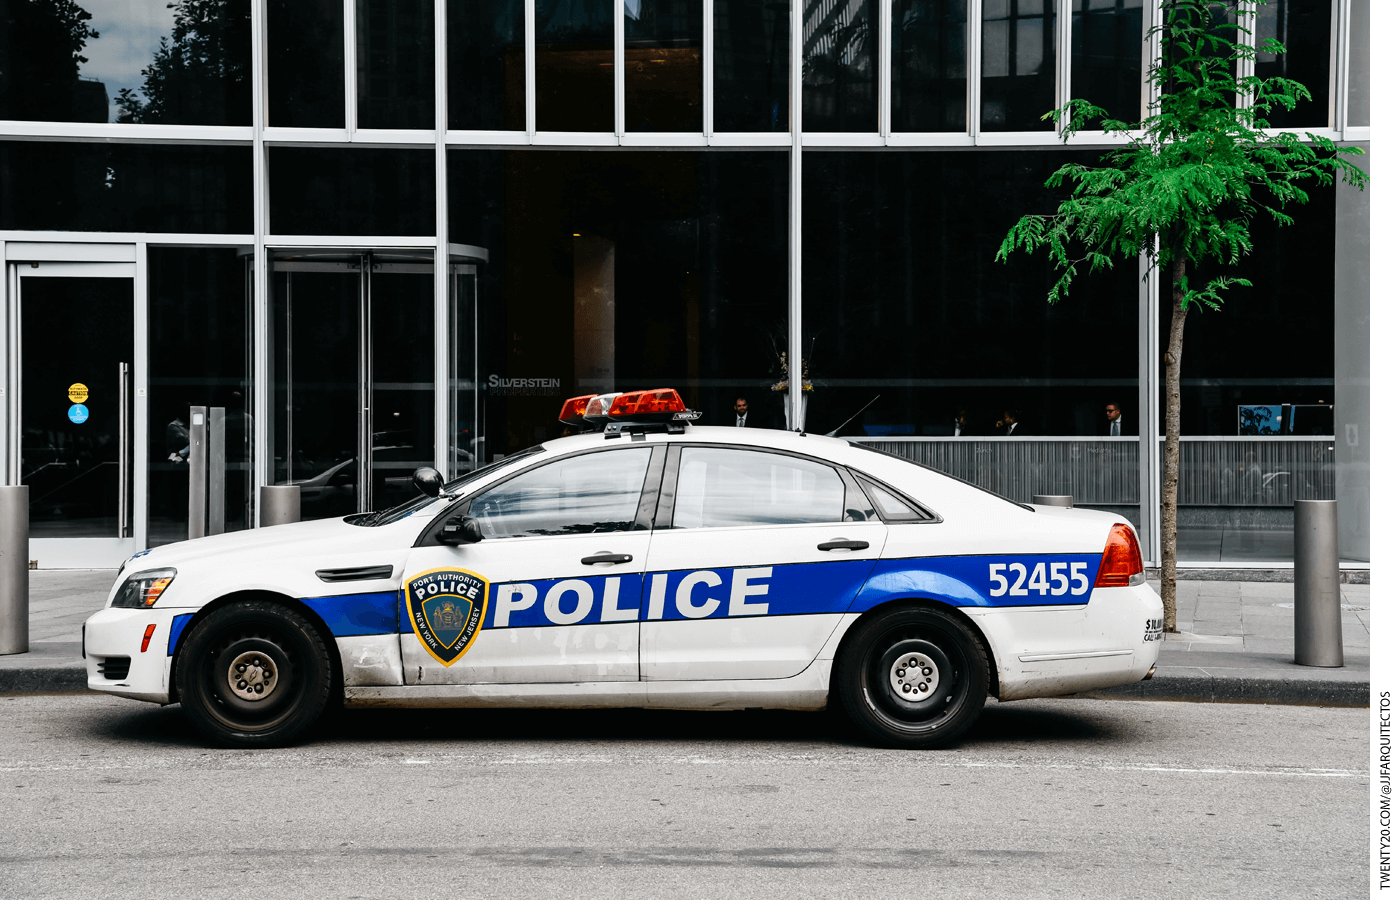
352 357
76 409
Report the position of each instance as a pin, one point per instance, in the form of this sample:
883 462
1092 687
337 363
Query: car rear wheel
253 674
914 677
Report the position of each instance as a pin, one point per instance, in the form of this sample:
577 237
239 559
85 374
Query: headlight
142 589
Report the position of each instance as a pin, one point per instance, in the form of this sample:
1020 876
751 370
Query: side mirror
428 481
459 530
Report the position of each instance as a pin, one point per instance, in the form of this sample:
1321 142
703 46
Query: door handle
606 558
843 544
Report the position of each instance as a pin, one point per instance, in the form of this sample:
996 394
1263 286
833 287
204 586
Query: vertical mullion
1149 394
8 340
974 67
885 10
260 387
365 463
529 68
1247 19
1337 71
619 61
138 472
351 68
442 261
1151 18
1064 52
794 397
707 66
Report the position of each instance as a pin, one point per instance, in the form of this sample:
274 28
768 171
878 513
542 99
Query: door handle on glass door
843 544
606 557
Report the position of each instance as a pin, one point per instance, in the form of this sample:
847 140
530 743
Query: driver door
563 551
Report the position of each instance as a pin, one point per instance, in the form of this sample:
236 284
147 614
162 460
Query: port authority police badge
446 607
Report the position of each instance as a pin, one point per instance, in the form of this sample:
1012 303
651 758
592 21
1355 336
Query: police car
646 563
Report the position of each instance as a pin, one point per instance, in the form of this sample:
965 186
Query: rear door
563 552
755 556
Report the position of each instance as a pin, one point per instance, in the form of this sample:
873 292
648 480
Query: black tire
280 690
950 693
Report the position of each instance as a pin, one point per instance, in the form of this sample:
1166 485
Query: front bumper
115 662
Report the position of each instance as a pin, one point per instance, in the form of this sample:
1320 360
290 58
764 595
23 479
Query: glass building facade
254 242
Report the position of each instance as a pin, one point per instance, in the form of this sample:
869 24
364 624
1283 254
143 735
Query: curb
60 679
1235 689
72 679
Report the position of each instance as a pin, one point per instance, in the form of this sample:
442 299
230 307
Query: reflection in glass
1018 64
929 75
906 264
1106 65
306 63
1359 66
67 186
591 494
574 65
751 65
316 377
624 269
70 453
351 191
728 488
1269 344
1304 27
401 325
663 82
840 61
394 56
486 65
151 61
199 329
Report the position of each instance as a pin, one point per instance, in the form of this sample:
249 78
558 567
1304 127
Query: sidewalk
1235 645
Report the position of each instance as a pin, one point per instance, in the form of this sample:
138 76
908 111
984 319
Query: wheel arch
929 602
322 630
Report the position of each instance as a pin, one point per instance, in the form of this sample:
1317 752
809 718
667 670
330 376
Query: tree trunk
1173 449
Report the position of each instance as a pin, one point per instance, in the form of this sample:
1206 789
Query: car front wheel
253 674
913 677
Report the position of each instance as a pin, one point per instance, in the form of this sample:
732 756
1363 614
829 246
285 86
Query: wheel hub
252 675
914 676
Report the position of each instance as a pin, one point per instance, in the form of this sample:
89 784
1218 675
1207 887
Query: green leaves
1195 172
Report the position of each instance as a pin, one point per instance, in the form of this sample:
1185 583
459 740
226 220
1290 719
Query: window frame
646 505
666 506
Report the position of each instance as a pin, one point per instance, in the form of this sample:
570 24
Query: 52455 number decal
1056 579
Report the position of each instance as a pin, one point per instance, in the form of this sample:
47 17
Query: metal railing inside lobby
1235 495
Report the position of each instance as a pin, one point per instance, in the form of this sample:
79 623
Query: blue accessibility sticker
77 414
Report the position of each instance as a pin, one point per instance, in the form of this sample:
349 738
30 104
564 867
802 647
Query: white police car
652 564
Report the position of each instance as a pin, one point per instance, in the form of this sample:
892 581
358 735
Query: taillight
1121 565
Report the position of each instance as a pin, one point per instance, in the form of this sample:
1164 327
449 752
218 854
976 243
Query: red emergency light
660 405
574 407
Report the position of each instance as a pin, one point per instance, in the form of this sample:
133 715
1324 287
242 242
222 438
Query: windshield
452 487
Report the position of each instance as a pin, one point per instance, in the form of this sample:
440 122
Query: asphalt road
1050 798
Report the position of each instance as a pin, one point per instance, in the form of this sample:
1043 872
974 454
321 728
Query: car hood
281 558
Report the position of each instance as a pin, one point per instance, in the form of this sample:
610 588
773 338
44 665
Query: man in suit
1115 424
741 414
1011 424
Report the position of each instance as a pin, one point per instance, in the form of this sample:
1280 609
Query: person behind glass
1114 426
1010 424
960 428
741 414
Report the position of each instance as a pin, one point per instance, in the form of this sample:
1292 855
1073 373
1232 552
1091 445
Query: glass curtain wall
752 41
1018 64
840 65
486 65
928 74
663 48
1106 47
574 65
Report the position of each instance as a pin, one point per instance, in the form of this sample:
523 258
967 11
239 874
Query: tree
1184 188
200 74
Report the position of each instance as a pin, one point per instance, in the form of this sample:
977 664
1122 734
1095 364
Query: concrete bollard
1317 592
281 504
1065 500
14 569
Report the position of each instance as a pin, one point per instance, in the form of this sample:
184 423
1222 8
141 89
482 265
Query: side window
590 494
719 488
891 506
